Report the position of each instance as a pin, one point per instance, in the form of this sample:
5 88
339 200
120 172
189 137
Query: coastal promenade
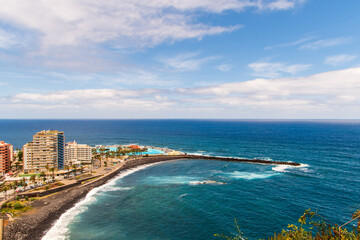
34 224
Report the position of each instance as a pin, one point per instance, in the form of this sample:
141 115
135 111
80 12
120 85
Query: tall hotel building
46 149
77 153
6 157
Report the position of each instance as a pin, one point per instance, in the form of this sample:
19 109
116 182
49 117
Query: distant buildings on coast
46 150
6 157
77 153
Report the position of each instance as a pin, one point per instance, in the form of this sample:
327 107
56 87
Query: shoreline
46 211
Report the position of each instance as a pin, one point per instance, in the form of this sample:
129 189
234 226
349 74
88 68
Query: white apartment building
77 153
45 150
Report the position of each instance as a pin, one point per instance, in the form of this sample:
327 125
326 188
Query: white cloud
186 61
275 69
332 94
9 39
128 22
326 92
288 44
224 67
6 39
339 59
326 43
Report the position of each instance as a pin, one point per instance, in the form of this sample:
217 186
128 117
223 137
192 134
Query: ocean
165 201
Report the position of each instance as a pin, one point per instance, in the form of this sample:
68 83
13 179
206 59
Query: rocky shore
33 225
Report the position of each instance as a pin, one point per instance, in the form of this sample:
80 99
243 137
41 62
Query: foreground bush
311 229
18 206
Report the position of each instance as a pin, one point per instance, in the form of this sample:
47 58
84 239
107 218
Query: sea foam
286 168
60 230
250 175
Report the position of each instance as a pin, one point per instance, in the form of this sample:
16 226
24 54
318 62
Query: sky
226 59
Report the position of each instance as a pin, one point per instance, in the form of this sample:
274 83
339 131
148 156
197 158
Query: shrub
32 199
17 198
4 205
18 206
320 229
46 187
27 198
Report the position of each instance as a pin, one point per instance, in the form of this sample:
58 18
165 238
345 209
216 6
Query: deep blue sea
163 201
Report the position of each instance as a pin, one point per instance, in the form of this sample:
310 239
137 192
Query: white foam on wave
196 153
113 189
286 168
161 180
182 195
250 175
60 229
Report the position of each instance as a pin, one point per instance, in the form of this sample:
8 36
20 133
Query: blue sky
180 59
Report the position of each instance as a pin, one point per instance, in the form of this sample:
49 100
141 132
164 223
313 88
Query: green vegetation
312 226
16 207
29 175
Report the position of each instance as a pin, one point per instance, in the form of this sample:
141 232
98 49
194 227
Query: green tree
5 189
74 167
33 178
43 176
20 155
67 168
53 172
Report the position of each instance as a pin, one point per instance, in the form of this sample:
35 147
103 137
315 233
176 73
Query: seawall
244 160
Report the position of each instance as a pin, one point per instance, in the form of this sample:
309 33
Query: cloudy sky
180 59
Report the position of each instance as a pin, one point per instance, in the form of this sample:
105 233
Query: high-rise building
77 153
46 149
6 157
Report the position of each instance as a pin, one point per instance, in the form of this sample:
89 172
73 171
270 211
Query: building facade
6 157
77 153
46 150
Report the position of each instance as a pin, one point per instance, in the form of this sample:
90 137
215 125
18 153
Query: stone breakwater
244 160
33 226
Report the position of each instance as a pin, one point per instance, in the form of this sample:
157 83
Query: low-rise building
77 153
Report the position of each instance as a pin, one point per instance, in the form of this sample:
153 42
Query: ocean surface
166 201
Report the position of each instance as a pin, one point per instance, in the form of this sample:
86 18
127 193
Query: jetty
244 160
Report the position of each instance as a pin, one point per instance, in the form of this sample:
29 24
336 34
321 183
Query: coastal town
48 164
47 176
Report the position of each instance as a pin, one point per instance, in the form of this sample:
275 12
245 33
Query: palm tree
43 175
53 172
5 189
14 186
47 168
22 182
74 167
67 168
17 165
33 178
20 155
